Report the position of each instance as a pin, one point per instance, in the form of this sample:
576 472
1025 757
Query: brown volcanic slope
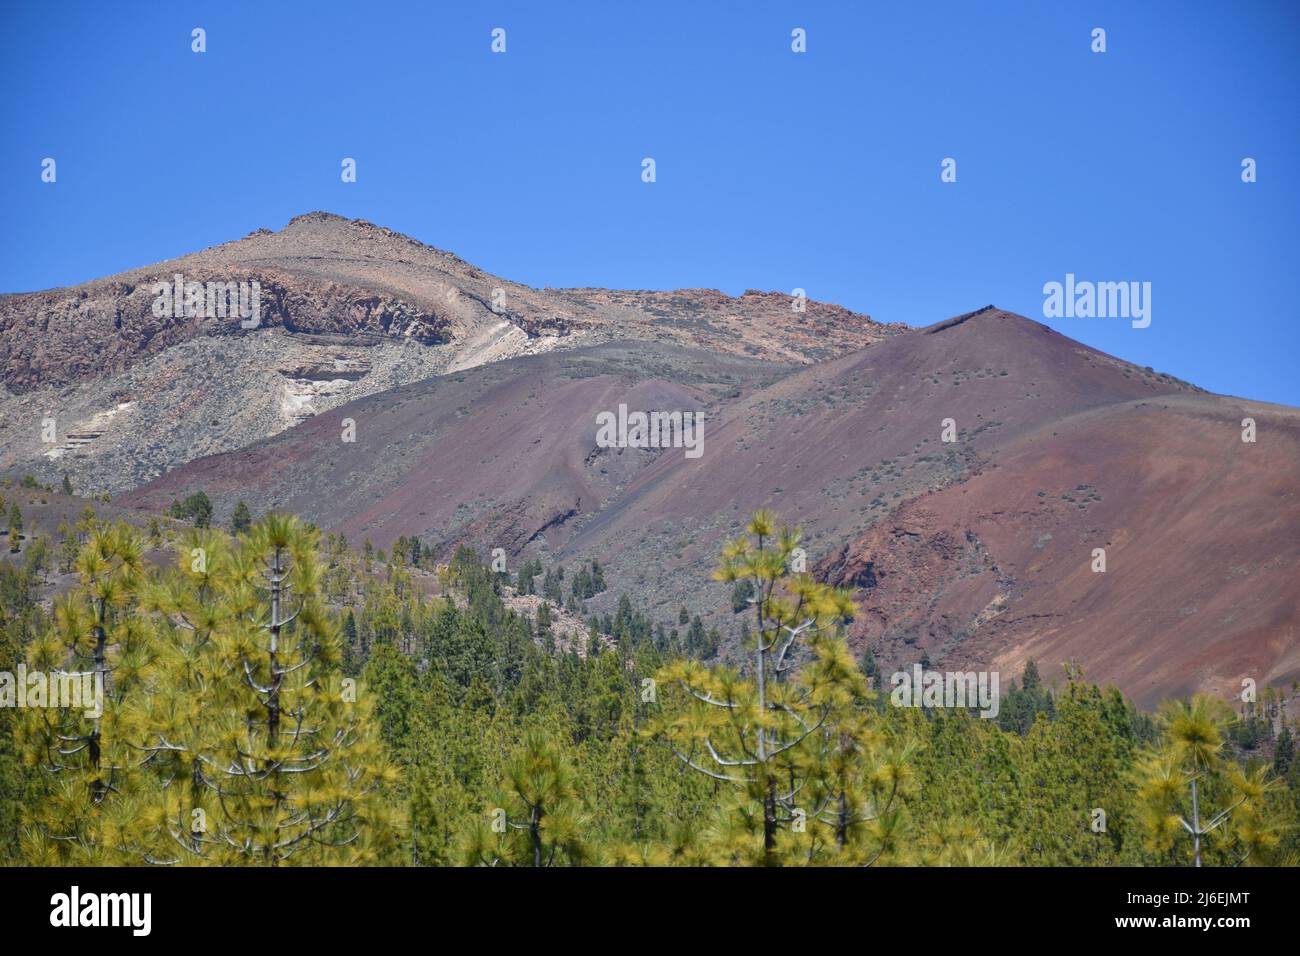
952 546
1201 533
501 455
839 445
347 309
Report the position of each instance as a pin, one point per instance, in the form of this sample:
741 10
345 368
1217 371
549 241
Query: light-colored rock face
200 397
82 435
310 386
344 309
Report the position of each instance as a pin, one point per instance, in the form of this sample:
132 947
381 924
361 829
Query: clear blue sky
775 170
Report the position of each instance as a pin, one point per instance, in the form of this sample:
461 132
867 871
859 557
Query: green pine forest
275 697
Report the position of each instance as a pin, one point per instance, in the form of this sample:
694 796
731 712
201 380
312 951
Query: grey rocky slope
347 309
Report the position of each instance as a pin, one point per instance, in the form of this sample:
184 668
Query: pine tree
68 547
15 527
241 520
17 786
545 636
1075 765
537 818
281 757
1187 786
292 764
196 507
771 736
352 656
1283 752
695 639
741 592
92 814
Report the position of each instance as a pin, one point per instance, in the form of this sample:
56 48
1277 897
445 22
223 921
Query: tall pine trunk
98 790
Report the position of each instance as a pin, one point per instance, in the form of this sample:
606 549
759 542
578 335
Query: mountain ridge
957 476
347 309
851 449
